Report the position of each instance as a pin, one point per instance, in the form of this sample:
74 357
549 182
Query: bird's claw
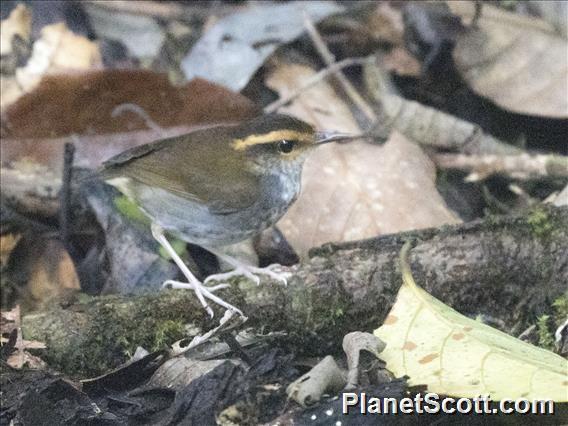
207 292
252 272
234 273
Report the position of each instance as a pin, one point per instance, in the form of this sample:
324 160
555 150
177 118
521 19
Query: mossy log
506 268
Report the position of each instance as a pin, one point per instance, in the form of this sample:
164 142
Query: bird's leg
251 272
193 283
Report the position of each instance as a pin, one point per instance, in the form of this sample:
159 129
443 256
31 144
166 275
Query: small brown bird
218 186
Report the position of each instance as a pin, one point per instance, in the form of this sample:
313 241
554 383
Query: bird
218 186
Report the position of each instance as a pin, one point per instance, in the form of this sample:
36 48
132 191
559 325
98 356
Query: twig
65 199
136 109
315 79
329 59
235 346
523 166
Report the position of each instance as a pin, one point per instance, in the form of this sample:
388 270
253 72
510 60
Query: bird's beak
327 137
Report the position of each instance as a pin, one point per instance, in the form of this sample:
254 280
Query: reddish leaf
79 107
83 102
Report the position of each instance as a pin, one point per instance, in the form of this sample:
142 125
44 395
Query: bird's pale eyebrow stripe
275 135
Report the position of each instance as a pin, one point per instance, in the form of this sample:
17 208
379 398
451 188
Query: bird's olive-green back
200 166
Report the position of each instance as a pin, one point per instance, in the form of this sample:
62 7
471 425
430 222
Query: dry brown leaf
400 61
385 24
58 49
319 106
52 274
10 321
18 24
21 359
7 244
14 44
518 62
82 103
356 190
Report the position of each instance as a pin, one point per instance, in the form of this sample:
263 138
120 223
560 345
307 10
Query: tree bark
507 268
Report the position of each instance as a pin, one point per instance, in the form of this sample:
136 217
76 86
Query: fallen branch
506 268
522 166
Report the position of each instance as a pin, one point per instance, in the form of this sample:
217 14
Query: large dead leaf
83 103
37 126
520 63
356 190
455 355
231 51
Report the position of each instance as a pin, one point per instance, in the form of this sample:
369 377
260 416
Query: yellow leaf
455 355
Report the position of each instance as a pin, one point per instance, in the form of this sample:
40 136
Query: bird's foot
206 291
252 273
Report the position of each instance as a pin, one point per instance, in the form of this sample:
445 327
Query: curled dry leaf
457 356
325 377
356 190
353 344
518 62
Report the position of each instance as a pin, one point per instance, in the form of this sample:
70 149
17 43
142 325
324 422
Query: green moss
539 222
120 328
545 336
168 332
560 307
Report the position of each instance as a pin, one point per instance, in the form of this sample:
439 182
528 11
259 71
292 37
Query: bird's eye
286 146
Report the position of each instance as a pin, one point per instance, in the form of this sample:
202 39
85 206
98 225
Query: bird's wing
183 167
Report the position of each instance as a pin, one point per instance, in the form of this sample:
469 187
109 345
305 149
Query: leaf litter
395 183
